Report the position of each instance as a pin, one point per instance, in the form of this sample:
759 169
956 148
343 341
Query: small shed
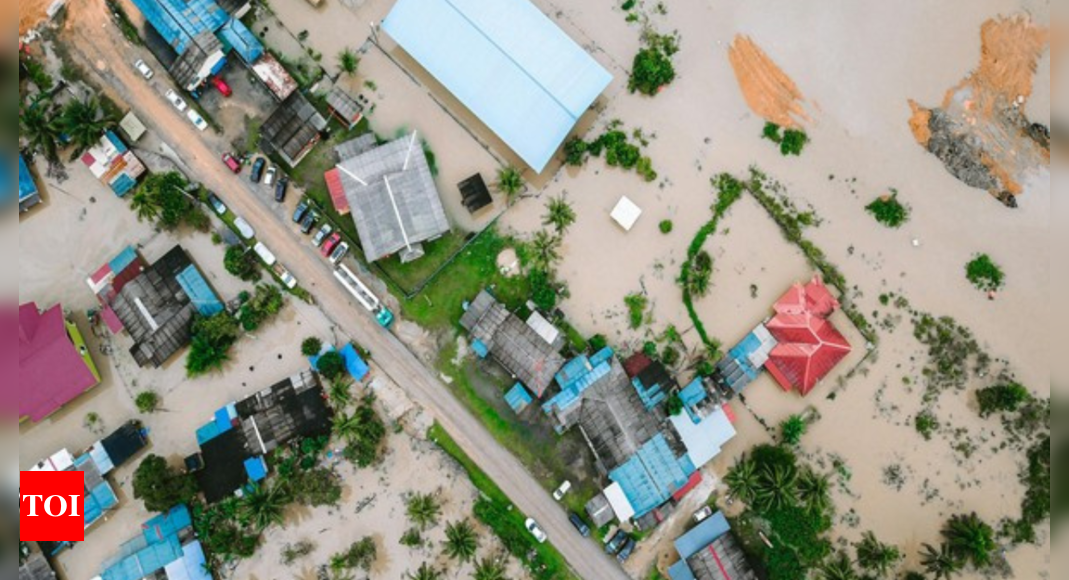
518 398
344 107
132 127
626 213
474 193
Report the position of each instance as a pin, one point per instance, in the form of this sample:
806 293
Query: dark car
616 542
258 170
626 551
217 204
308 222
302 209
280 189
579 524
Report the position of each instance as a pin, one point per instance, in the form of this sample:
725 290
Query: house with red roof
55 366
808 344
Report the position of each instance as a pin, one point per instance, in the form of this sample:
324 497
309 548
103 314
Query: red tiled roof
51 370
809 346
337 191
637 363
813 297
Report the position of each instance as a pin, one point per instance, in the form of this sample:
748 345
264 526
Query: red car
232 163
331 243
221 86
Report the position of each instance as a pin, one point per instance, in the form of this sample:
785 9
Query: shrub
794 141
1002 398
160 486
666 227
331 365
210 345
889 211
316 487
772 133
360 555
147 402
598 342
293 552
985 274
926 424
364 432
575 152
793 429
543 294
311 346
412 538
262 306
670 356
652 68
241 264
636 308
628 5
674 405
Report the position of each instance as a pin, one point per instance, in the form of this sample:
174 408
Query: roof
124 442
292 130
703 437
344 106
518 398
599 510
808 346
27 186
180 21
615 423
273 75
160 548
36 567
576 378
200 294
626 213
745 360
393 199
132 126
710 552
357 368
239 38
702 535
52 371
204 57
617 499
636 363
814 297
474 193
653 475
506 62
337 192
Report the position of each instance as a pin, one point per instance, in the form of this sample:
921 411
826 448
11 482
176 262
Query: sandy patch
768 90
31 13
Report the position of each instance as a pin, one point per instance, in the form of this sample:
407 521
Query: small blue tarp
256 468
518 398
235 35
354 365
480 349
123 260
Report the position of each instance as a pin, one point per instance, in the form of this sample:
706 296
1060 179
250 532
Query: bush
674 405
311 346
794 141
670 356
926 424
598 342
575 152
772 133
242 264
360 555
636 308
331 365
160 486
412 538
652 68
364 432
316 487
1002 398
793 429
985 274
666 227
147 402
889 211
210 345
262 306
543 294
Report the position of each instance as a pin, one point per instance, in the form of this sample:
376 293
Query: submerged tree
509 182
940 563
970 539
875 556
348 62
559 214
423 510
743 480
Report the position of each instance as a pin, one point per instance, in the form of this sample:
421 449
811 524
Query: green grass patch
410 277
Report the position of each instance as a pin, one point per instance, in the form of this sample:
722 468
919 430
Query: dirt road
95 40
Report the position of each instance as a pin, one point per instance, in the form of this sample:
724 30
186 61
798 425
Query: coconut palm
40 129
461 541
424 510
348 62
490 569
509 182
145 204
814 491
970 538
839 568
875 556
264 506
793 429
776 488
559 214
341 393
940 563
347 427
83 122
743 480
426 572
545 251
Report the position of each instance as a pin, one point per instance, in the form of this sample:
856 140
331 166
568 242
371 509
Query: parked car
340 252
198 121
244 228
626 551
221 86
309 222
616 542
269 177
702 514
283 274
176 101
331 243
280 189
217 204
579 524
232 163
561 491
298 215
144 69
322 234
258 170
534 530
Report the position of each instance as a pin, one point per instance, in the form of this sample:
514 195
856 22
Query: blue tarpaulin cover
123 260
256 468
27 187
652 475
180 21
480 349
518 398
200 294
235 35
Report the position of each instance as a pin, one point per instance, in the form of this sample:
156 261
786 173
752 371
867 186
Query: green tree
666 227
38 75
674 405
793 429
509 183
651 70
698 273
545 251
360 555
559 214
543 290
970 539
461 541
84 123
636 310
40 129
777 486
311 346
794 141
341 393
160 486
242 264
490 569
364 433
1002 398
838 568
147 402
743 480
423 510
331 365
264 506
212 338
315 487
426 572
167 192
985 274
875 556
814 491
145 205
263 305
575 152
940 563
348 62
888 210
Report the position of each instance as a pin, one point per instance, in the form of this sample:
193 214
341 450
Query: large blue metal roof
701 536
200 294
238 37
652 475
506 62
180 21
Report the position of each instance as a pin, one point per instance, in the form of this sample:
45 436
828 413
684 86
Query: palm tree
776 489
347 427
940 563
875 556
559 214
490 569
814 491
461 541
40 130
426 572
424 510
970 538
145 204
509 182
340 393
545 251
839 568
84 122
348 62
743 480
793 429
264 506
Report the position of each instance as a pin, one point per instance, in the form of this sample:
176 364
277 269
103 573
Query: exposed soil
31 13
768 90
981 132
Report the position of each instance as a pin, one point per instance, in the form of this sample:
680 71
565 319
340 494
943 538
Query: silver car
144 69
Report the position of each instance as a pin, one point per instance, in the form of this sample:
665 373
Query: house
235 443
166 549
112 162
344 107
577 376
808 345
507 63
522 349
55 366
390 193
292 130
474 194
744 362
29 196
155 304
710 552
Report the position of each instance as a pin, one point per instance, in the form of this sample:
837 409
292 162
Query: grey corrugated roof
344 105
292 129
355 147
187 66
721 560
615 423
36 568
393 199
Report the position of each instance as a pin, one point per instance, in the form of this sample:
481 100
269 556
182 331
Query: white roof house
626 213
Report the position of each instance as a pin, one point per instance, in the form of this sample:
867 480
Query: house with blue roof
29 196
165 549
710 551
745 361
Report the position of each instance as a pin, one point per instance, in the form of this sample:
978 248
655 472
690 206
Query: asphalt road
98 41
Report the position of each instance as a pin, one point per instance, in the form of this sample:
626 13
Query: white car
144 69
269 177
562 490
174 99
340 252
532 527
244 228
283 274
197 120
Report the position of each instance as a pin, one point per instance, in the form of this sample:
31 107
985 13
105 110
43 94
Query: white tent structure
626 213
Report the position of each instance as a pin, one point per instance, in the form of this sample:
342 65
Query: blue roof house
159 548
710 552
29 196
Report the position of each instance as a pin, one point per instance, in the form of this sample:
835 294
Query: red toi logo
51 506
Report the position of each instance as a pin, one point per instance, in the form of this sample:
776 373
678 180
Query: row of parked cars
326 239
